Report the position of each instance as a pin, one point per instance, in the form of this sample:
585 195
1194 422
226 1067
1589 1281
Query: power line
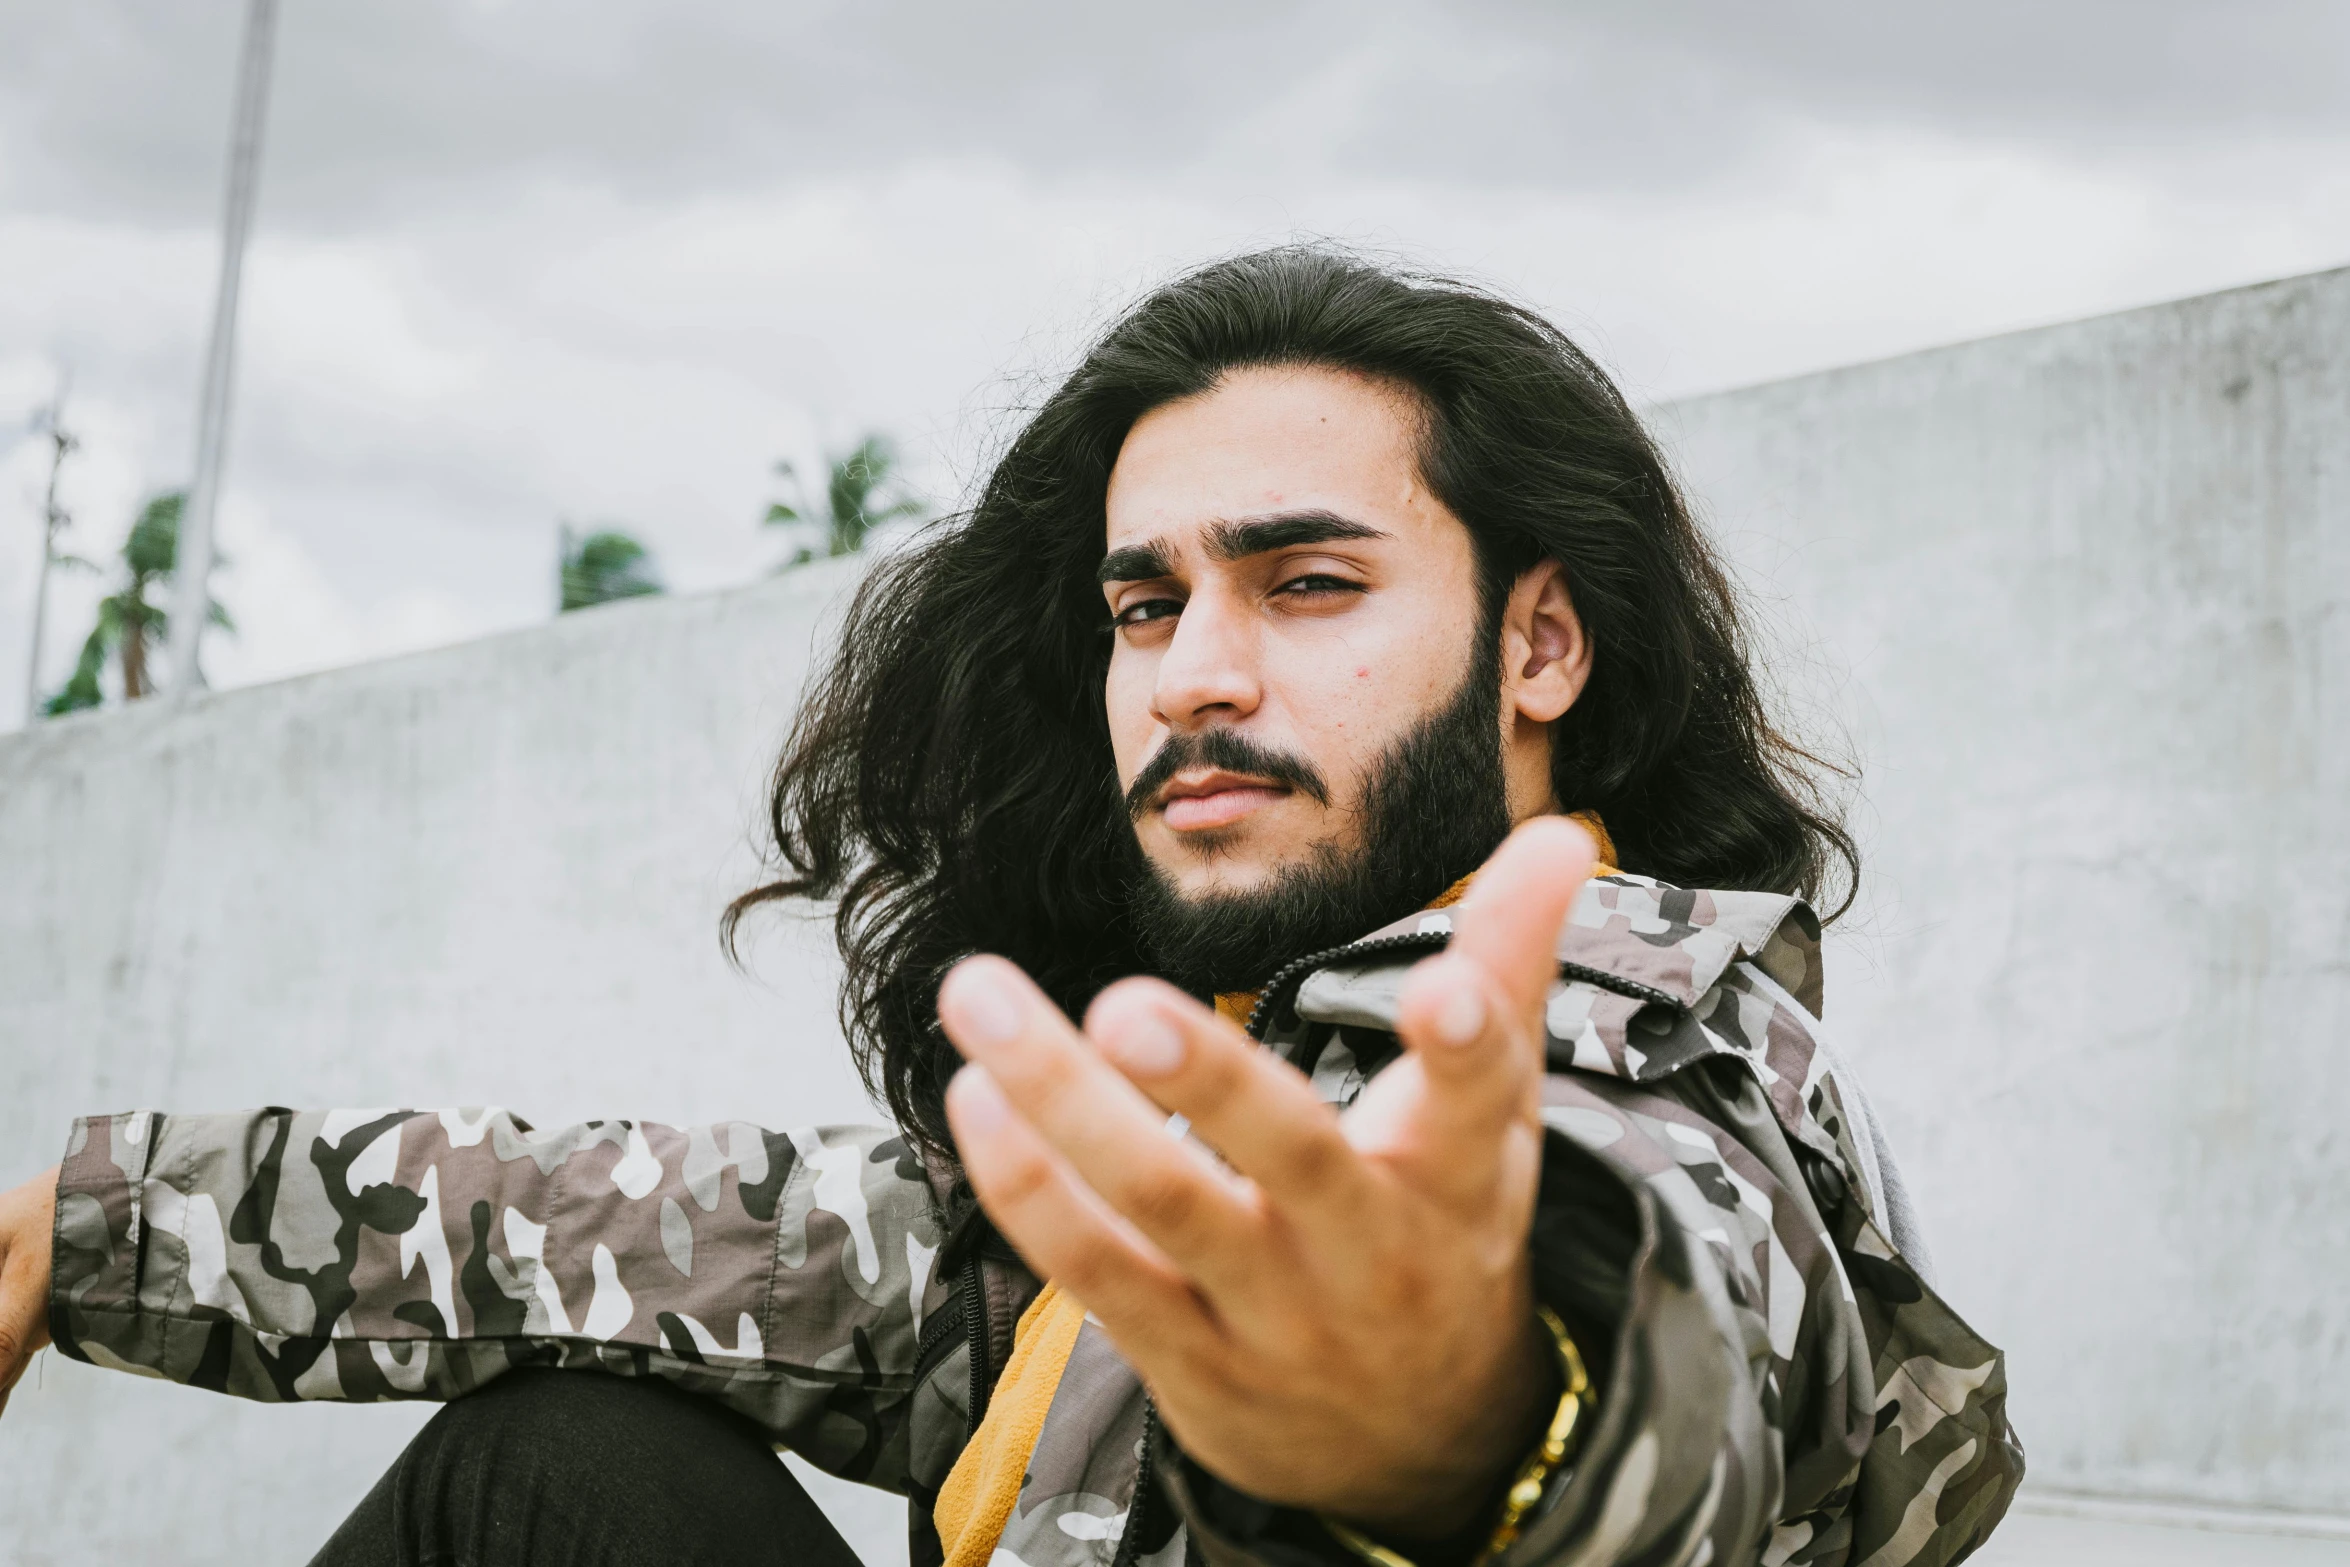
50 422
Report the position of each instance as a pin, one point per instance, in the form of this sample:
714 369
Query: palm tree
863 491
131 624
602 566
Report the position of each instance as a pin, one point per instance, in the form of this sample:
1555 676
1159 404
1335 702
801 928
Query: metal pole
53 519
191 599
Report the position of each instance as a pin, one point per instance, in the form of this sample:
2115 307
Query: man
1514 1216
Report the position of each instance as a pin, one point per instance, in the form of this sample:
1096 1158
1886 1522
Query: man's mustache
1229 750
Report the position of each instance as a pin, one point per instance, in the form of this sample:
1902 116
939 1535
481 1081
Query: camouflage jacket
1778 1382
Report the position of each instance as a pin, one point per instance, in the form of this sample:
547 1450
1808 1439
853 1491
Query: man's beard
1434 806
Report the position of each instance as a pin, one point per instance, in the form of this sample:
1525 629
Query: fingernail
986 1006
1146 1043
978 1103
1460 1017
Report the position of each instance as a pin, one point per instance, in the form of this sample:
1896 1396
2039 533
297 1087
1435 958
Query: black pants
587 1470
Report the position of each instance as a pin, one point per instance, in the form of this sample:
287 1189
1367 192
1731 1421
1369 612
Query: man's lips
1196 802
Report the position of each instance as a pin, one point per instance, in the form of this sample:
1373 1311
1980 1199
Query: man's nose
1209 672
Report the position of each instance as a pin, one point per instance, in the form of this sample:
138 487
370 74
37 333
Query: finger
1064 1230
1472 1016
1252 1107
1509 921
1488 987
1113 1138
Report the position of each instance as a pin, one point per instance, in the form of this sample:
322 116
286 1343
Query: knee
578 1466
515 1469
536 1423
510 1435
578 1438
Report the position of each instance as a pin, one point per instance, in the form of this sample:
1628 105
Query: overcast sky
607 260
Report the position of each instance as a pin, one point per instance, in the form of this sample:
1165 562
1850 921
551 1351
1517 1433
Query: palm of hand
1337 1314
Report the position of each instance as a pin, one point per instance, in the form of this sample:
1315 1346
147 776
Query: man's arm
367 1255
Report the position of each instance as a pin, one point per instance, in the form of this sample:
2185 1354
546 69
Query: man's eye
1148 610
1316 583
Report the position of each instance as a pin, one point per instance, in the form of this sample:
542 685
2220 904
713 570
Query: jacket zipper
976 1329
1137 1511
938 1335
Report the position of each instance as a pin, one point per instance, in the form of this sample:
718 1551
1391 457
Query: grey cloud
119 107
2088 68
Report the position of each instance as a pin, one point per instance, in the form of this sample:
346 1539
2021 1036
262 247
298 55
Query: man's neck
1239 1005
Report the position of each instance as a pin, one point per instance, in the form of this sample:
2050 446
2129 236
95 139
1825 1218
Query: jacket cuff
95 1248
1234 1529
1230 1528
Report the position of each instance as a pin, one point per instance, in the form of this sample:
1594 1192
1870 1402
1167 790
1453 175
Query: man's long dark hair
948 784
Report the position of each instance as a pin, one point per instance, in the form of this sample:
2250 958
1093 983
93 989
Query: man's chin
1222 862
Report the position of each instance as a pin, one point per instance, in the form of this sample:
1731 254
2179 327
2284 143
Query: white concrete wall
2079 592
2084 597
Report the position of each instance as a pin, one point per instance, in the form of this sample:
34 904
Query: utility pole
54 520
191 596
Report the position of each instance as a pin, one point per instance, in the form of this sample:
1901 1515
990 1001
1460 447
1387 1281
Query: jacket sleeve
1784 1386
372 1254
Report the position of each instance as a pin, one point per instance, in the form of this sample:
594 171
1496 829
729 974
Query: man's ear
1545 655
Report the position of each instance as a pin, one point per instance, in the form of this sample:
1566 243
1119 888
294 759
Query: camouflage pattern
1782 1386
377 1254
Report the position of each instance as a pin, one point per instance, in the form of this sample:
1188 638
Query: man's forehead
1264 443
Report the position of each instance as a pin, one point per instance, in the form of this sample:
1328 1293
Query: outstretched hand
27 1216
1339 1316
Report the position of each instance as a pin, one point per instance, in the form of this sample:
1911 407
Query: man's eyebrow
1136 563
1231 541
1237 540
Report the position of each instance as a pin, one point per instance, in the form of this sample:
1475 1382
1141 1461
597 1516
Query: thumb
1508 924
1471 1015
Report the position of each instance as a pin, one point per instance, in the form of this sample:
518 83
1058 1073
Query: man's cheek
1130 746
1132 729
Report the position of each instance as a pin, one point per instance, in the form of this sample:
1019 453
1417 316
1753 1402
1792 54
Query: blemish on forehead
1363 673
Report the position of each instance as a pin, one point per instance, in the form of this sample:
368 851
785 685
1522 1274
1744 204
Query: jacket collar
1640 940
